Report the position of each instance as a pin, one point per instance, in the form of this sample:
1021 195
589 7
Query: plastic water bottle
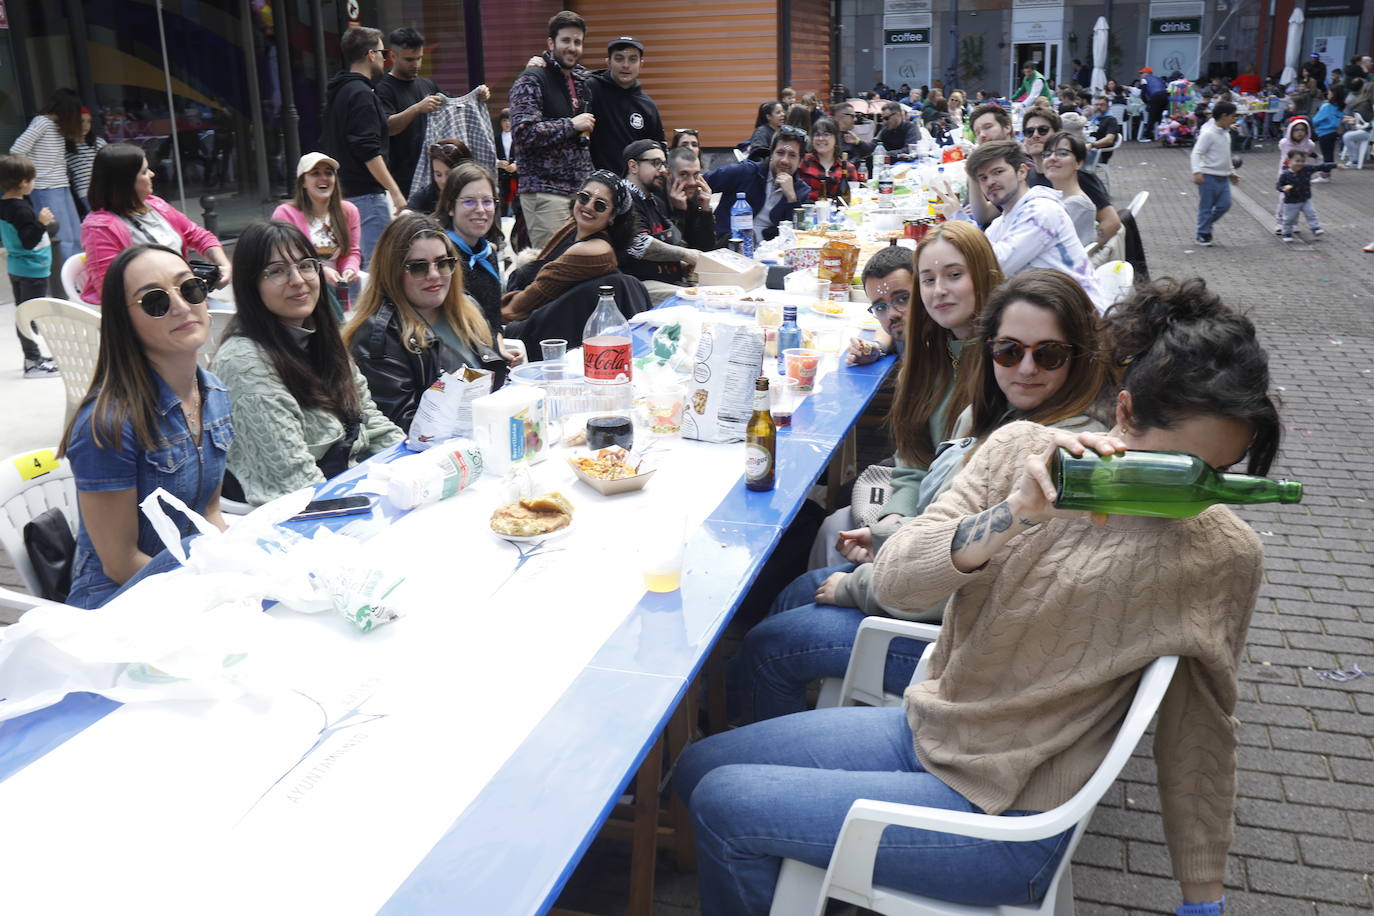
606 343
789 335
742 224
879 157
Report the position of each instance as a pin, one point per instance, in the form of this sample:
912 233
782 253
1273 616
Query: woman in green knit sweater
302 411
1052 618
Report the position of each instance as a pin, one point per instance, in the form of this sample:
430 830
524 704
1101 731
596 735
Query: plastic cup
782 400
769 314
555 352
801 365
822 289
829 340
664 406
661 537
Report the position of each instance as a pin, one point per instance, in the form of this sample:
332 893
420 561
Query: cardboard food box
724 267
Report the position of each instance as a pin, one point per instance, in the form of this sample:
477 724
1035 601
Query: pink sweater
104 235
350 260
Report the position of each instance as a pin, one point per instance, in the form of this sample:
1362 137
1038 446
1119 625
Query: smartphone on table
334 508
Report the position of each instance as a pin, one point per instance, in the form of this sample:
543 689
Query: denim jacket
193 473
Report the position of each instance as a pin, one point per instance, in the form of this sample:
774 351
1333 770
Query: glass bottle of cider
1159 484
761 442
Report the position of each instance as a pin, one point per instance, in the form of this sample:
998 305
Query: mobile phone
333 508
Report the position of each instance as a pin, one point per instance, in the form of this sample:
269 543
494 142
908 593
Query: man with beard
355 135
551 123
769 186
624 112
897 131
689 199
657 253
888 283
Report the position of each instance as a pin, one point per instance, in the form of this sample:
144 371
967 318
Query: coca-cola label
606 362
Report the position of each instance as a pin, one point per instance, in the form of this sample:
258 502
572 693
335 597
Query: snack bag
445 410
720 395
838 261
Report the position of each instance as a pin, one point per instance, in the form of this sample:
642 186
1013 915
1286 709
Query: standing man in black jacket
624 112
356 135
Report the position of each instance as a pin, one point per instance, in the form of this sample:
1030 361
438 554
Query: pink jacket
353 259
104 235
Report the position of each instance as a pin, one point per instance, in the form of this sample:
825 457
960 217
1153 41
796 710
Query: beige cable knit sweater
1042 648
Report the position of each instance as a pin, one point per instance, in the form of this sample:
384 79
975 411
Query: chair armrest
863 679
23 601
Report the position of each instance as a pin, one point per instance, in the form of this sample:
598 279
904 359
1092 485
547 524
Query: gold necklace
193 415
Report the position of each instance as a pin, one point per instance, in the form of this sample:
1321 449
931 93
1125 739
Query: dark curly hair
1181 352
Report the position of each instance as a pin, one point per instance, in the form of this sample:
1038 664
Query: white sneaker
40 368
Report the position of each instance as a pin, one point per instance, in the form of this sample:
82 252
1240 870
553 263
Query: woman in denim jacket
152 419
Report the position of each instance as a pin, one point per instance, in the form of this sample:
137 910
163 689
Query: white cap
310 160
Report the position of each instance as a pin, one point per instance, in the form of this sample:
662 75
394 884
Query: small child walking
24 234
1295 183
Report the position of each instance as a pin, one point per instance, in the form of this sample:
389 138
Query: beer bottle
761 441
1159 484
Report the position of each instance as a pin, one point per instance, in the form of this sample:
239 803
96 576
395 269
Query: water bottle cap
607 290
739 195
789 311
1290 491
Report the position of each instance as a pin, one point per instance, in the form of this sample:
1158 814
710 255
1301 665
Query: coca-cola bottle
606 343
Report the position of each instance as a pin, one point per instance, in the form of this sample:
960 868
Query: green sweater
906 478
276 442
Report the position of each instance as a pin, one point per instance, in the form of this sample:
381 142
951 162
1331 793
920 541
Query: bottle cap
1290 491
789 311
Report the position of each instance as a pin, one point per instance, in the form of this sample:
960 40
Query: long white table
416 844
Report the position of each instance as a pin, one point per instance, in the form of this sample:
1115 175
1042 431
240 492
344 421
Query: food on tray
689 291
533 516
607 464
827 307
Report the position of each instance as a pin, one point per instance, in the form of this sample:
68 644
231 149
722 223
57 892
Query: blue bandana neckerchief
484 255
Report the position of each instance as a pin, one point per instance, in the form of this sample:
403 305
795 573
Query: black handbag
51 548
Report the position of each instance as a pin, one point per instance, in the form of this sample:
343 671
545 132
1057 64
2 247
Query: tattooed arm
980 536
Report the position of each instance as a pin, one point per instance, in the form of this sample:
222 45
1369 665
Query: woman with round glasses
1052 616
468 208
331 223
152 418
302 410
1064 155
585 248
444 156
124 212
414 321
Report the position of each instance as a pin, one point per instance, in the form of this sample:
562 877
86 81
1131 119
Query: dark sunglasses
442 149
1048 354
599 204
418 269
158 302
1042 130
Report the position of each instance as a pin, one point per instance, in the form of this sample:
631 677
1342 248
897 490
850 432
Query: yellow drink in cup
663 581
661 538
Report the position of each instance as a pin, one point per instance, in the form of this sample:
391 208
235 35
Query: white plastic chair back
1137 204
72 333
1116 278
74 276
805 889
219 321
21 500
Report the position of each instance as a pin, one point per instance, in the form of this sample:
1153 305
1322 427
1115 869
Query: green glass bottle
1158 484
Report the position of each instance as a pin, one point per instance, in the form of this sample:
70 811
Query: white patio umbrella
1099 79
1293 49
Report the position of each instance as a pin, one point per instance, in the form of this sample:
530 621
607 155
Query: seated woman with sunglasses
152 418
584 249
302 410
124 212
444 156
1064 155
414 320
1052 616
1035 359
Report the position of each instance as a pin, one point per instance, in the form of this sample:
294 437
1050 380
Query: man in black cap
624 113
658 253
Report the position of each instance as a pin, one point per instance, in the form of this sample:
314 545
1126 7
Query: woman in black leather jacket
414 321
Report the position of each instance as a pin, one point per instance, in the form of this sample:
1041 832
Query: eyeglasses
1060 153
158 302
656 163
381 51
1043 130
1048 354
442 266
687 130
472 203
599 204
280 271
900 301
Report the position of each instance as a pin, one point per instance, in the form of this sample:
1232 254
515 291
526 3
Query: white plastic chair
1361 153
23 500
1116 278
72 333
1102 169
863 679
803 888
1137 204
219 320
74 276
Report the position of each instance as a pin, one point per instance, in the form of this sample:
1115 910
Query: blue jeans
374 212
1214 199
781 789
92 591
63 207
800 642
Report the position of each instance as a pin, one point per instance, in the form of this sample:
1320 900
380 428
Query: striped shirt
79 165
42 142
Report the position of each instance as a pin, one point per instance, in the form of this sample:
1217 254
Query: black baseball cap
639 148
625 41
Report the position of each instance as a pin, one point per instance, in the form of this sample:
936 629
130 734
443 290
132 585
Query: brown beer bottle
761 441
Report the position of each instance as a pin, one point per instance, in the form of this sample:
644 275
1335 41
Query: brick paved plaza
1304 840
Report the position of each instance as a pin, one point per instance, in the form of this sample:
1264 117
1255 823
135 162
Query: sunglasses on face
1008 352
1043 131
598 204
280 271
899 302
158 302
442 266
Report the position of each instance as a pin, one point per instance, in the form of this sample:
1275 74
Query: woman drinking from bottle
1053 616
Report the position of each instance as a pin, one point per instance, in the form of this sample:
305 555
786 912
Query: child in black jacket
1295 181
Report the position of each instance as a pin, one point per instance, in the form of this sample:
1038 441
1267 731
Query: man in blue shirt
1156 96
768 186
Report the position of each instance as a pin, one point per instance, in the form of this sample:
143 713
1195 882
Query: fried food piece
533 516
553 501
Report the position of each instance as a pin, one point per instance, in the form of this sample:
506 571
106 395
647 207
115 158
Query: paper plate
533 538
699 293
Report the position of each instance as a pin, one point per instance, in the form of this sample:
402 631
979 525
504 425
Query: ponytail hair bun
1181 352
